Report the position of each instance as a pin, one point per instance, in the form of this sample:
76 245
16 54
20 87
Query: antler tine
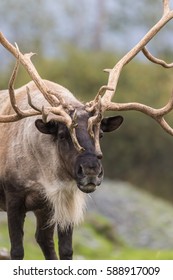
25 60
114 73
166 7
11 89
96 118
94 121
156 114
19 114
155 59
92 105
30 101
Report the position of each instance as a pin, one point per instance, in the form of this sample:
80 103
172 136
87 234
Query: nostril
80 171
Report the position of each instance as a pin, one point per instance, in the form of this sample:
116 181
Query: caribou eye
62 136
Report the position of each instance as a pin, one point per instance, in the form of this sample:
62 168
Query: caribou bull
50 155
42 171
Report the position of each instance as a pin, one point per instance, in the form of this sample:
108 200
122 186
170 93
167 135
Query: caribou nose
91 170
89 173
89 176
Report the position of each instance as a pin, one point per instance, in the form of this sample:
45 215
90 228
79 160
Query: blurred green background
74 42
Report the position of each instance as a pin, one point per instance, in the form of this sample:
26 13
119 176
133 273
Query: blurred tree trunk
97 40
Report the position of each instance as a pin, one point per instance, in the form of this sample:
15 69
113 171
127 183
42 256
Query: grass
95 239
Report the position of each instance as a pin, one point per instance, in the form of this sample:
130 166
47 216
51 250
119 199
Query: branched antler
103 100
58 108
114 73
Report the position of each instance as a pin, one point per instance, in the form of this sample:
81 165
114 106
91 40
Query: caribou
50 155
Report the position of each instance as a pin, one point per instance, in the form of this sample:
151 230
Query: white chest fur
68 203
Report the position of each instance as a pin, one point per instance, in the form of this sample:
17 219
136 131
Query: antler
114 73
58 107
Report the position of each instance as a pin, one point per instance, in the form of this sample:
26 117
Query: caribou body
41 171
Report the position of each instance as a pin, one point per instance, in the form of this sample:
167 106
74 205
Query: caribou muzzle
89 173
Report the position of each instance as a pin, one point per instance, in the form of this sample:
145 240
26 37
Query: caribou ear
50 127
111 123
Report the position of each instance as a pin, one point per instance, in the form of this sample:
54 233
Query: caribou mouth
87 188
